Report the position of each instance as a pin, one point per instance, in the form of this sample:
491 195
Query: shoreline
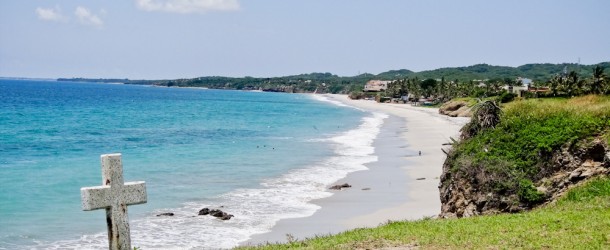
391 189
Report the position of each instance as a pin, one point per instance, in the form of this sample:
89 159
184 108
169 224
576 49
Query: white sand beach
401 185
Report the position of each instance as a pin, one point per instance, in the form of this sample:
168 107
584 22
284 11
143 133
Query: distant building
376 85
520 87
545 90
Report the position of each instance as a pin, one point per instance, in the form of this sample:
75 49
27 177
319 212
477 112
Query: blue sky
154 39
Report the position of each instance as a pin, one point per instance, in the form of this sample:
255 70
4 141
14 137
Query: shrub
486 115
479 93
527 192
507 97
355 95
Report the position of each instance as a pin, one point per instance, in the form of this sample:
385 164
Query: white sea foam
323 98
256 210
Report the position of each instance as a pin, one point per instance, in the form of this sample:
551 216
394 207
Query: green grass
530 131
473 100
607 136
470 100
579 220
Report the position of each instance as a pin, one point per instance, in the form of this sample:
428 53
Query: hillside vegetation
331 83
538 148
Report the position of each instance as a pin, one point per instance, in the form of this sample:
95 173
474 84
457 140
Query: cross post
114 196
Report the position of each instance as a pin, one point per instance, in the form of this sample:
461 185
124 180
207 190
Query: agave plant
486 115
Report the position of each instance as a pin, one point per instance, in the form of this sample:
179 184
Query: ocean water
261 156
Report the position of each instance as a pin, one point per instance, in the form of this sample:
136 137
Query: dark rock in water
339 187
166 214
216 213
226 216
420 179
204 211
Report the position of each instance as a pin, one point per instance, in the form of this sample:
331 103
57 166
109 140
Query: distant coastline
329 83
27 78
99 80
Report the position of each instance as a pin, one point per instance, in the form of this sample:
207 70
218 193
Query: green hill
537 72
330 83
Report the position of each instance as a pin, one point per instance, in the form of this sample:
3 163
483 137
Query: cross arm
98 197
134 193
93 198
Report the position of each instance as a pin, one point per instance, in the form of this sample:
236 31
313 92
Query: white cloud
188 6
50 14
86 17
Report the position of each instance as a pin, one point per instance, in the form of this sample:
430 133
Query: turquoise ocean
261 156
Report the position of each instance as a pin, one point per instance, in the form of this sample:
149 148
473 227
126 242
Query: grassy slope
580 220
518 149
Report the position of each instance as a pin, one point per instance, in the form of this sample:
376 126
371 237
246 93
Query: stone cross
114 196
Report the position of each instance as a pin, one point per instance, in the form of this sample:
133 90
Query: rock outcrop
462 192
216 213
455 109
339 187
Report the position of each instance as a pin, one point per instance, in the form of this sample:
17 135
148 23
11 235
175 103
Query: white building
521 86
376 85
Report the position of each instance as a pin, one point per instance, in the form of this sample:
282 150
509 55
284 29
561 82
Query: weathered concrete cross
114 196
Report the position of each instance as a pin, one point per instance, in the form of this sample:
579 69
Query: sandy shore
392 188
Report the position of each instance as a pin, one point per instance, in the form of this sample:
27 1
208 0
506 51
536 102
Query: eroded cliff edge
533 155
468 192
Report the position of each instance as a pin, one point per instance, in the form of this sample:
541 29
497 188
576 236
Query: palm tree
470 88
574 85
442 89
456 88
509 82
487 88
557 83
401 87
393 89
598 82
496 86
416 88
452 89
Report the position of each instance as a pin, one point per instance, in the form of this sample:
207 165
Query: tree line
560 85
459 81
